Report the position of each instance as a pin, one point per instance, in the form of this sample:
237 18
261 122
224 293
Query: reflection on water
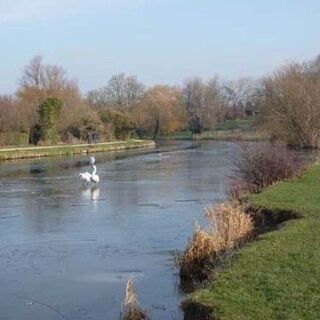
91 193
72 248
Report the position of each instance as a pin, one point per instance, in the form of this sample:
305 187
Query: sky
160 41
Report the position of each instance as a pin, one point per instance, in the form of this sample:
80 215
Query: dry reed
131 309
230 225
228 228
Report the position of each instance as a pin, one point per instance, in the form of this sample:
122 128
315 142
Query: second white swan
88 177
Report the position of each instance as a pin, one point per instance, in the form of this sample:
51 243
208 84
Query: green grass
180 135
230 135
14 139
69 149
277 276
237 129
237 124
234 130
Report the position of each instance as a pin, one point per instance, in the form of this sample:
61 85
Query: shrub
82 131
123 126
228 228
77 124
49 112
35 134
10 115
260 165
13 139
130 308
237 190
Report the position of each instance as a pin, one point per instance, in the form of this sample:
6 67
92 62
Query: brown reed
131 309
228 228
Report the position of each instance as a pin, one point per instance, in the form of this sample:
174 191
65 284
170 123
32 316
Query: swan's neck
94 170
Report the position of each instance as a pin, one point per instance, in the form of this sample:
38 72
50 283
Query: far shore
12 153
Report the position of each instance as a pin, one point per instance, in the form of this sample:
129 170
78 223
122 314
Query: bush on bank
260 165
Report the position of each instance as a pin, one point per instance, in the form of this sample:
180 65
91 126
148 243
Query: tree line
49 107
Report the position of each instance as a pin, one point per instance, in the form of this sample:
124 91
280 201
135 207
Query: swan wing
95 178
86 176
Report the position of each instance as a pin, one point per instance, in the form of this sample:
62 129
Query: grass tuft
131 309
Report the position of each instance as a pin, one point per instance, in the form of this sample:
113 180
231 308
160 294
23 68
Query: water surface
67 251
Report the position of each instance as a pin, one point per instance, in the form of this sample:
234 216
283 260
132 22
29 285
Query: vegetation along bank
48 108
276 276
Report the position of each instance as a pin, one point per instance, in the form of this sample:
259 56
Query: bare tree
43 76
116 90
237 94
292 107
193 97
122 92
98 98
203 103
33 73
133 90
213 109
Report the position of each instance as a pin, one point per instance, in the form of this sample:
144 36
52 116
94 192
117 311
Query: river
66 251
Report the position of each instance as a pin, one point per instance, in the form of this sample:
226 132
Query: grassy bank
277 276
64 150
180 135
230 135
233 130
230 130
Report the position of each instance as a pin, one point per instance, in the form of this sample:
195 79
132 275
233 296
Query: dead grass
230 225
228 228
131 309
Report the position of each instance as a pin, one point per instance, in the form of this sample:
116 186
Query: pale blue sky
160 41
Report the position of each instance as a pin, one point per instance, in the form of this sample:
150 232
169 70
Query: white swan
94 177
88 177
85 177
92 160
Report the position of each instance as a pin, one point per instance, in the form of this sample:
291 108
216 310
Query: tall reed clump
228 228
131 309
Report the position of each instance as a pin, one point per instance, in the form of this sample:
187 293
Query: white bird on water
88 177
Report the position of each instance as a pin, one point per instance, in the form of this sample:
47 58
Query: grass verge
277 276
67 150
231 135
180 135
229 130
234 130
